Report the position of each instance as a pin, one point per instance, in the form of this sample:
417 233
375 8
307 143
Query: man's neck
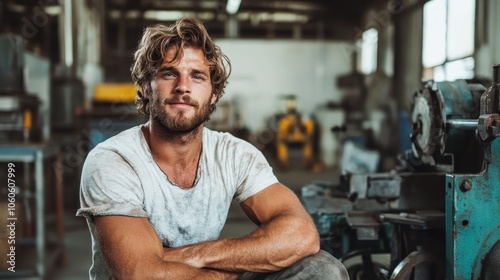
172 148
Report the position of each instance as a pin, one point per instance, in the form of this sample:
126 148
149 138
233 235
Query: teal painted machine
443 202
473 200
456 126
473 222
438 214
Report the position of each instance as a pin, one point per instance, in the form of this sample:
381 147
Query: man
156 196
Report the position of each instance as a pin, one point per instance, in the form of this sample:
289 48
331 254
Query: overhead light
18 8
175 15
132 14
232 6
163 15
289 17
282 17
114 14
205 15
53 10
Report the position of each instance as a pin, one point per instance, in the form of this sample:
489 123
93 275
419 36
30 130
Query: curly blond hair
152 50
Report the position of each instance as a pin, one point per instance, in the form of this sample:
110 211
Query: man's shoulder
119 154
218 135
125 142
225 146
226 139
123 139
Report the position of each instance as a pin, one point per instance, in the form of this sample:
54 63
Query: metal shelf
37 154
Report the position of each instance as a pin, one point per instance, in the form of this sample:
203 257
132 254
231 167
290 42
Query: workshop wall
265 70
408 47
487 37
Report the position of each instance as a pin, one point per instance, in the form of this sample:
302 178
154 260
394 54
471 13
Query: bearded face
179 120
180 95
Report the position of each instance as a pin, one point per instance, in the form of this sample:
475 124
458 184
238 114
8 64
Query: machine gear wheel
428 123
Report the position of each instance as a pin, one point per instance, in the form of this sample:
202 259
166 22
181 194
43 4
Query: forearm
273 246
132 250
203 274
189 273
160 269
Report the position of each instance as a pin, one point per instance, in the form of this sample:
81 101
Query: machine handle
465 124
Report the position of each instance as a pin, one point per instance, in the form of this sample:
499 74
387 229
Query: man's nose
182 85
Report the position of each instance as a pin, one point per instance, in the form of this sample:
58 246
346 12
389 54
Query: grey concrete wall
266 70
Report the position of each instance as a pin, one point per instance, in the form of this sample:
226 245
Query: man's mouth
180 104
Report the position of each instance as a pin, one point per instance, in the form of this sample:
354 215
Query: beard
177 122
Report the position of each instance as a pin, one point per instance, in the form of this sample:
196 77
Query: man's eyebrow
198 71
173 69
166 68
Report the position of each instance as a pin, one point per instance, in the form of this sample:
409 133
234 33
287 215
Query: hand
180 255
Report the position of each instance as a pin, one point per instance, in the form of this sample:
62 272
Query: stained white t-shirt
120 177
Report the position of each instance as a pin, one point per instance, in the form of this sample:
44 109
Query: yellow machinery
115 92
293 131
113 102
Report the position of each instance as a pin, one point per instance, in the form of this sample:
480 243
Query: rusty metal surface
472 218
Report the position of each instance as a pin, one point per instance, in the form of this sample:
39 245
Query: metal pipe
232 26
40 213
465 124
496 74
66 33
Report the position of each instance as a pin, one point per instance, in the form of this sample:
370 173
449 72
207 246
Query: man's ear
214 98
146 90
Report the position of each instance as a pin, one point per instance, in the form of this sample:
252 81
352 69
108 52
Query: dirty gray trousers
321 266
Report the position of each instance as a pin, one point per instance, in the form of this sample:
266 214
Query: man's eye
199 77
168 74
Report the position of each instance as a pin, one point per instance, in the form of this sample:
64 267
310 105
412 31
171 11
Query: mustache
184 99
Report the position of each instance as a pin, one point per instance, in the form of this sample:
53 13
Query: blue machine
442 204
455 126
473 222
473 201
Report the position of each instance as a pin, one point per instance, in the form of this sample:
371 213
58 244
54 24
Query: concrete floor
77 238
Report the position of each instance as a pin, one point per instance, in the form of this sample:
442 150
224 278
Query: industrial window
448 40
368 59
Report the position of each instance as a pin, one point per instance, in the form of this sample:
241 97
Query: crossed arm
285 235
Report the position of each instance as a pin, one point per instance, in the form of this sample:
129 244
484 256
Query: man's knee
321 265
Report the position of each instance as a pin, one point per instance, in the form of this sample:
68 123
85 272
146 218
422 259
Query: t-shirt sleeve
109 186
255 173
